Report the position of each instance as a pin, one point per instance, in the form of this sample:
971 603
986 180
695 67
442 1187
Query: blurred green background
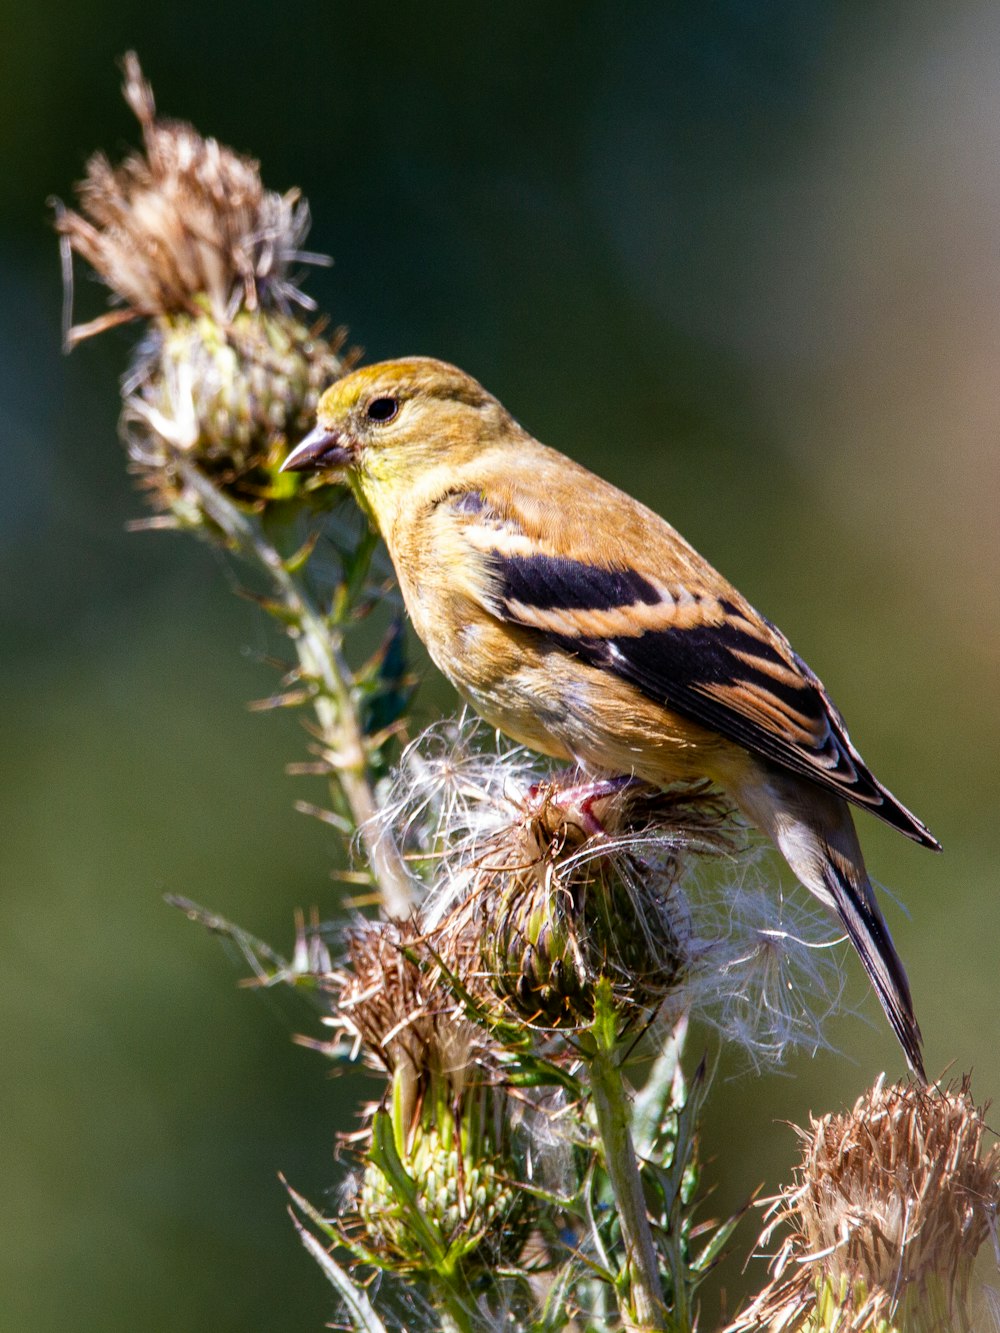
741 258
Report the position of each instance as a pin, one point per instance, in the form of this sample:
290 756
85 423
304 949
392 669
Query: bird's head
384 426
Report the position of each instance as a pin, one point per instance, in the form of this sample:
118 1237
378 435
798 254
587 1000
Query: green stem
321 661
454 1314
611 1107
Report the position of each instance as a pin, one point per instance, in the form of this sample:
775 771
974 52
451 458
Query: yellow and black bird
583 625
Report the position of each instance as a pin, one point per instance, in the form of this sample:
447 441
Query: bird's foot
584 799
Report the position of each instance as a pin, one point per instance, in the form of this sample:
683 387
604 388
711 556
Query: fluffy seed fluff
570 878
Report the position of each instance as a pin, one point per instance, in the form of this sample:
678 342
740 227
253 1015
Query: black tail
815 833
859 911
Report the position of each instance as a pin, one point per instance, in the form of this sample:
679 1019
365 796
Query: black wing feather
678 667
550 582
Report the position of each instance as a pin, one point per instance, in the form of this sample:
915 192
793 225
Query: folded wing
693 645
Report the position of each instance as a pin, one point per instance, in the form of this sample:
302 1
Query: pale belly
579 714
555 704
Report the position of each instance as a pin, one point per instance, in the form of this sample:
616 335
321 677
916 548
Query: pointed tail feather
815 833
857 908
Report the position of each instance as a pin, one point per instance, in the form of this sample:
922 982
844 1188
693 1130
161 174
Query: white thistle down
761 968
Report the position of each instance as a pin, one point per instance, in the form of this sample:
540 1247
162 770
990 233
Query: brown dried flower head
437 1177
392 1004
186 219
567 896
187 237
889 1207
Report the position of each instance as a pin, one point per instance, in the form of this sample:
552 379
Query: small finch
584 626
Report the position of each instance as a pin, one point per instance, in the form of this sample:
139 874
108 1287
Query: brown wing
646 607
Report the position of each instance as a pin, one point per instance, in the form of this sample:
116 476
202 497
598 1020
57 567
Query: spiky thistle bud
187 238
889 1207
437 1186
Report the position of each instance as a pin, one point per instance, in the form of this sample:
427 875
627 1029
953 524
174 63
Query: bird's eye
382 409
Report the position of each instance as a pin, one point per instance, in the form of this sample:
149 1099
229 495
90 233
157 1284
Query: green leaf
269 967
359 1307
357 563
383 1154
655 1107
298 559
721 1235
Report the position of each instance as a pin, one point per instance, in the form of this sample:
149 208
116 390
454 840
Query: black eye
382 409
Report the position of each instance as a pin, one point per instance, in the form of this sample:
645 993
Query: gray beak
320 449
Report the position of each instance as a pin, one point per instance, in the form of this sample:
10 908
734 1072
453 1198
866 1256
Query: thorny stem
321 661
611 1107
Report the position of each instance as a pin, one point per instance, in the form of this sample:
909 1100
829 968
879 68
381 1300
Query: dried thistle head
392 1003
566 898
187 238
438 1176
890 1205
184 227
568 880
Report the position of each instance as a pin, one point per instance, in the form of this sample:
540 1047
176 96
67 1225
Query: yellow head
386 425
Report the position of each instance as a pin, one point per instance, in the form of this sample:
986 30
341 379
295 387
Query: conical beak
320 449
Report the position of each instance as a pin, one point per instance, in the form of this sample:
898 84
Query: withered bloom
567 897
571 881
187 238
890 1205
438 1178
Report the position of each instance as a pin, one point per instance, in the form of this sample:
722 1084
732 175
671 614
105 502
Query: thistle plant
224 378
538 940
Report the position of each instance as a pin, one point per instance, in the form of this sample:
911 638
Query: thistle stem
453 1312
611 1107
321 661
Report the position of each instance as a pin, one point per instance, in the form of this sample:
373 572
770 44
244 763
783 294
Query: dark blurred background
741 258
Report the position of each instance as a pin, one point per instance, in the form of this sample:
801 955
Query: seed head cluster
189 240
